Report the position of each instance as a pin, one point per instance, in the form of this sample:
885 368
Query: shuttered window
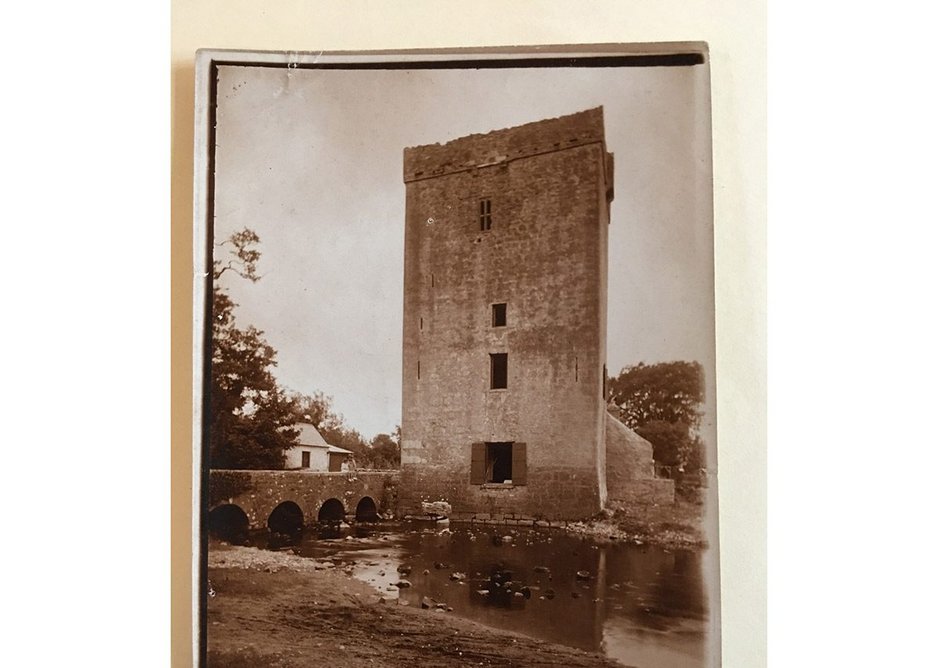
519 463
477 468
499 463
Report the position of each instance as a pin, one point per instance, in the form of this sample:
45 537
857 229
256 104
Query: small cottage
313 453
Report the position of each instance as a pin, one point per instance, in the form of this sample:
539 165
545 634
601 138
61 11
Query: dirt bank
676 526
279 610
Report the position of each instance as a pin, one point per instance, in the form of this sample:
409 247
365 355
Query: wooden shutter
519 464
477 468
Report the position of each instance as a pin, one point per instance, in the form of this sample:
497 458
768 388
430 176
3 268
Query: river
643 605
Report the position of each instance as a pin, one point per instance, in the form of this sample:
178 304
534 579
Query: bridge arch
366 510
331 510
286 518
228 522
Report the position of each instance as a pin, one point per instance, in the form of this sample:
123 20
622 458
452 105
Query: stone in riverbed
403 584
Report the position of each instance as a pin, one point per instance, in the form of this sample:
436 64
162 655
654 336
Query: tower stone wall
516 217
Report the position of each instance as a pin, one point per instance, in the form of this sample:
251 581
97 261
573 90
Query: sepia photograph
455 373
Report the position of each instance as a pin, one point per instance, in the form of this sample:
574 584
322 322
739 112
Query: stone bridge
286 501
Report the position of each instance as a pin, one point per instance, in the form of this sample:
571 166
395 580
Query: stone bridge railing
259 493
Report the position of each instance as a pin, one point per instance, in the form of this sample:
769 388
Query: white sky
312 161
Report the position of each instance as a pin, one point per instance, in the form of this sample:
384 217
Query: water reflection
643 605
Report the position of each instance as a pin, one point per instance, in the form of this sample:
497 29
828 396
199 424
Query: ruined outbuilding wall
630 468
549 184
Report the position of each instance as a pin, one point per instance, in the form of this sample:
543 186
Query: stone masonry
258 493
539 248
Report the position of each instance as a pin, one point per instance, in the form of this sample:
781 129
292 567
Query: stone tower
505 263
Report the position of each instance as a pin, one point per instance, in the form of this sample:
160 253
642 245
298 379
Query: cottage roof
310 436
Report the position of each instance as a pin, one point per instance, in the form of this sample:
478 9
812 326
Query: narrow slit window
418 369
499 315
485 214
576 369
499 371
421 323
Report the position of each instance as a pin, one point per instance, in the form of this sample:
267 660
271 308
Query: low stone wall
257 493
657 491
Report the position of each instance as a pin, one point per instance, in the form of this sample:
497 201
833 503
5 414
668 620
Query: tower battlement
481 150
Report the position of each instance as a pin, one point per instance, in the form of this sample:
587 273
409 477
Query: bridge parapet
257 493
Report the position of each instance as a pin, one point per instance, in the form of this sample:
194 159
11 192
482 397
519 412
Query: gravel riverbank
276 609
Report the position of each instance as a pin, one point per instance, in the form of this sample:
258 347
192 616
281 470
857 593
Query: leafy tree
662 403
673 445
251 417
316 409
385 450
666 392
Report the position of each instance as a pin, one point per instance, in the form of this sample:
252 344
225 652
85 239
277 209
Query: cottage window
499 371
305 460
502 463
485 214
499 315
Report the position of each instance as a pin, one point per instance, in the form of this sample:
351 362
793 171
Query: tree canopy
385 450
666 392
662 403
251 418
